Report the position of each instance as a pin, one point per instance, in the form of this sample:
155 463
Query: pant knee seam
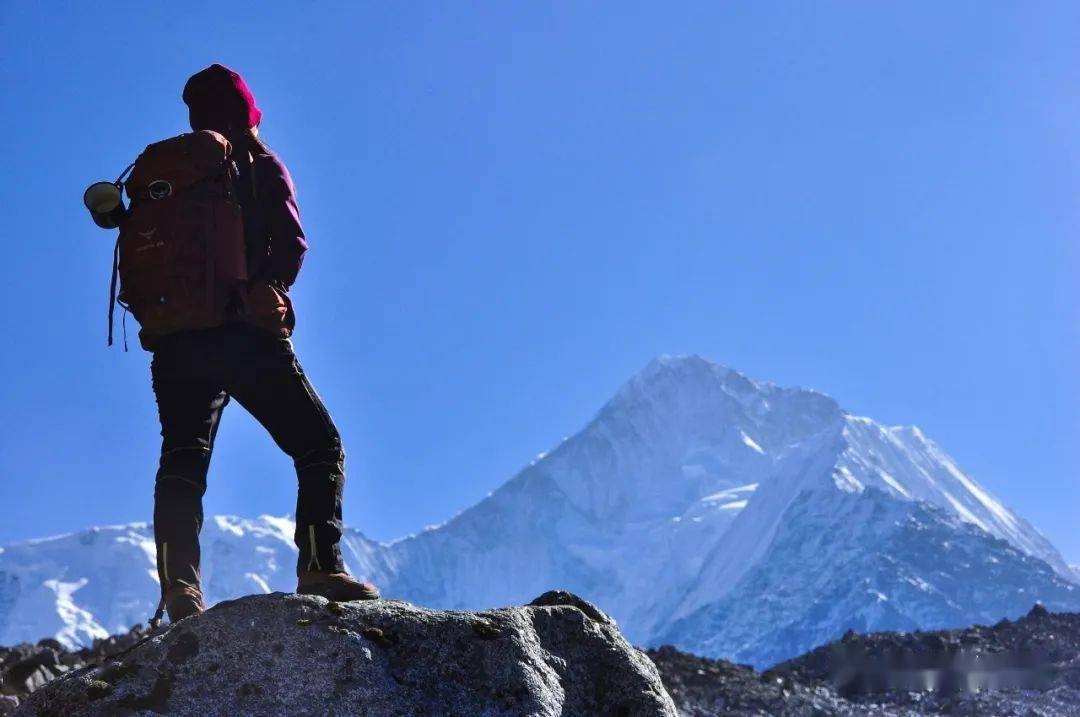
185 479
200 449
336 464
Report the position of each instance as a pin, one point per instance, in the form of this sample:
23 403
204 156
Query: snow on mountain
62 586
624 511
731 516
102 581
904 462
868 562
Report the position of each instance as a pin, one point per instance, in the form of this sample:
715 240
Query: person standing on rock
197 372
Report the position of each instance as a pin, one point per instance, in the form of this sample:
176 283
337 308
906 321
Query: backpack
180 256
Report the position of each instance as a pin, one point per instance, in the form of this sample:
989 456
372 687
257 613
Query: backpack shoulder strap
254 177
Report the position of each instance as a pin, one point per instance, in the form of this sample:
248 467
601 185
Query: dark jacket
275 239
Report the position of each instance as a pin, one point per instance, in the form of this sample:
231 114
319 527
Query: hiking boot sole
332 594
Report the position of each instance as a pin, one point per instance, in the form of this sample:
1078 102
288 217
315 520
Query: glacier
730 517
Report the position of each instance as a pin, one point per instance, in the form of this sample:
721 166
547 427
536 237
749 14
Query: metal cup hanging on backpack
105 201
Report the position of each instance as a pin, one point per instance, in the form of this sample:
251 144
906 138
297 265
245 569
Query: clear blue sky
513 206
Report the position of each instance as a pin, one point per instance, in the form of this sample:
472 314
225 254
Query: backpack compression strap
112 287
116 265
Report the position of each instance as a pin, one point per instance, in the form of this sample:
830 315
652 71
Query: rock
561 597
30 673
284 654
8 703
36 679
1038 610
935 643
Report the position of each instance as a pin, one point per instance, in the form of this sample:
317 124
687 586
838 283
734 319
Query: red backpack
180 256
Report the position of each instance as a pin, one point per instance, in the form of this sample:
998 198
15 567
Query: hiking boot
183 600
339 587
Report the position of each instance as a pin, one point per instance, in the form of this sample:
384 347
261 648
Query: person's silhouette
249 358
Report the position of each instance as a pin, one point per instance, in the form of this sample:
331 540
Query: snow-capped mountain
868 562
732 517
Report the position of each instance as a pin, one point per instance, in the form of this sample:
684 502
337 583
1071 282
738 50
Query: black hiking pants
195 374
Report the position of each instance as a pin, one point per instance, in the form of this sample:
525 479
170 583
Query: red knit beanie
218 98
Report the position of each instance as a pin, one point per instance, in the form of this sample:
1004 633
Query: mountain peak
694 378
682 362
686 367
668 377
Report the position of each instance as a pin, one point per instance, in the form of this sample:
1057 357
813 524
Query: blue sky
512 207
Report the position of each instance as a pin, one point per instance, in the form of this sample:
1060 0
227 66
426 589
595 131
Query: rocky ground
1026 668
1032 664
287 654
25 668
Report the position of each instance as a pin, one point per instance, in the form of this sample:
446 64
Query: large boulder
284 654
